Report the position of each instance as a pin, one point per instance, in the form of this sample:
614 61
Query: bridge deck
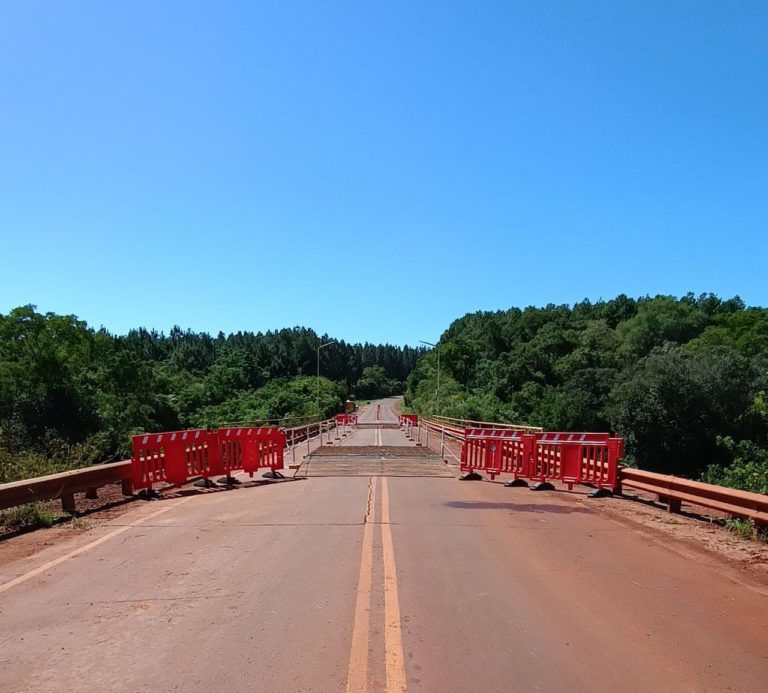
372 460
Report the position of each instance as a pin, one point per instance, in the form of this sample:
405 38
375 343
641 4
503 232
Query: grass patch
28 516
746 529
80 523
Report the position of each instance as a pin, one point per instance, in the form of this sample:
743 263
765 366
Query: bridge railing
470 423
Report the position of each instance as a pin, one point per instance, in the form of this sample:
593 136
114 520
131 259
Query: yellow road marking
52 564
393 638
357 675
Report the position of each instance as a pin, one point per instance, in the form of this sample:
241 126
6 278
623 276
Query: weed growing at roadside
80 523
744 528
27 516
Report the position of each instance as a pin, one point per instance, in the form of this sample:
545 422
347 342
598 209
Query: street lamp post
437 392
320 346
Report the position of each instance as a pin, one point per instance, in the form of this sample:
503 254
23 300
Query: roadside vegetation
684 381
747 529
26 517
72 396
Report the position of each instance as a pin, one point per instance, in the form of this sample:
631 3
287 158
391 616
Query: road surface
357 583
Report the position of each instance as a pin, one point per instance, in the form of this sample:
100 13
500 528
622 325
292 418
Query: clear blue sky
376 170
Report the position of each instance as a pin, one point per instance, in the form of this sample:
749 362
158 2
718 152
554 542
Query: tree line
683 380
71 395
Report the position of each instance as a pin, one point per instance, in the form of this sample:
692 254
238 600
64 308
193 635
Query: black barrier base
228 481
600 493
515 482
542 486
204 483
470 476
148 494
273 475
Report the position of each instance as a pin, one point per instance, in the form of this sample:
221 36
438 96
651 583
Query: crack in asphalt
369 503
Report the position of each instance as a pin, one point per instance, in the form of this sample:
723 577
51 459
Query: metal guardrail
300 434
305 434
66 484
469 423
454 432
674 490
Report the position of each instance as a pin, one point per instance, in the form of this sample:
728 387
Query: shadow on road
518 507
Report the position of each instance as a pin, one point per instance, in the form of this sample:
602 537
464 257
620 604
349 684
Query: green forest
683 380
72 396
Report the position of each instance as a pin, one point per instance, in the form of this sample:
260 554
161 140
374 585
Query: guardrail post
307 440
293 446
68 503
442 442
92 493
426 436
127 487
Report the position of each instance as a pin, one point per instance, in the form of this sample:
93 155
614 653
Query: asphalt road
375 584
384 409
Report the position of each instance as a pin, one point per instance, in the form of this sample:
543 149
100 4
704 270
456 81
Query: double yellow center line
357 678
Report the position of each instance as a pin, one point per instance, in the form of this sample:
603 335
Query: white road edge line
52 564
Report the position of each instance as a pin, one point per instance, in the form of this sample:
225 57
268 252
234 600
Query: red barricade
577 458
406 418
572 458
268 449
174 457
496 451
234 449
346 419
251 449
